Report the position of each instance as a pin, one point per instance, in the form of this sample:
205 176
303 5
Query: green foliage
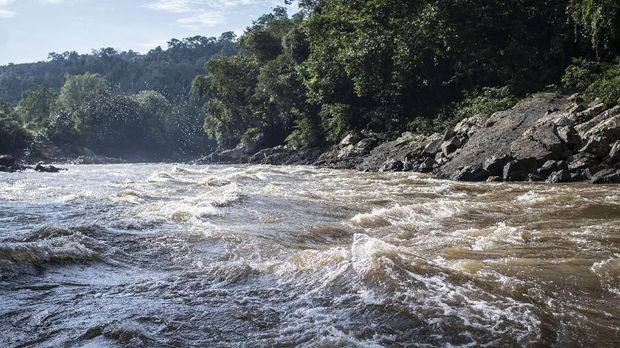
81 89
336 120
580 74
305 134
34 109
13 138
421 125
167 70
485 103
606 86
596 20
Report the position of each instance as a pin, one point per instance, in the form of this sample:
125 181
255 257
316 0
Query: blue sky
30 29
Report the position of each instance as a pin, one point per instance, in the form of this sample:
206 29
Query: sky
30 29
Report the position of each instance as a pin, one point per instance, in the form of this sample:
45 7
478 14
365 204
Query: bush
13 138
336 119
579 75
305 134
421 125
606 86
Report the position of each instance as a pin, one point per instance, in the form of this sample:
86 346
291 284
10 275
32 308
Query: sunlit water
165 255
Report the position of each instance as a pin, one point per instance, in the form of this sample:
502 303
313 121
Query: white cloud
54 1
203 20
204 13
5 13
175 6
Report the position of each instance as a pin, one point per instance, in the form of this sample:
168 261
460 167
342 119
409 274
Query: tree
81 89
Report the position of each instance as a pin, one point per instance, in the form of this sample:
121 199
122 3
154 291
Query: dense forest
336 66
113 103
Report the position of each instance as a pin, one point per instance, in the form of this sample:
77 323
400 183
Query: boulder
559 176
495 165
581 161
607 176
40 167
518 170
549 167
392 165
525 131
433 146
450 145
7 160
471 173
425 166
6 169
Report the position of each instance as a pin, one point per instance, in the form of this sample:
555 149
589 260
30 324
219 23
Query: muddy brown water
176 256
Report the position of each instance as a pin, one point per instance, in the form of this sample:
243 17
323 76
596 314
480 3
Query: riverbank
545 137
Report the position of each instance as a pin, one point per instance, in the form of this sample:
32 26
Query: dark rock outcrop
519 170
40 167
607 176
559 176
7 160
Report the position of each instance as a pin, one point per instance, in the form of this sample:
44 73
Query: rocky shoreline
545 137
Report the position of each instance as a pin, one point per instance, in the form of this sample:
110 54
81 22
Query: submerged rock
7 160
40 167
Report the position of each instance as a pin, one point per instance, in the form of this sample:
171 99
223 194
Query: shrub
305 134
336 119
579 75
606 86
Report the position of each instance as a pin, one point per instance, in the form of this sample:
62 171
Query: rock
584 127
467 127
364 146
568 135
607 176
471 173
549 167
6 169
591 111
450 145
495 165
525 131
494 179
535 177
432 147
7 160
392 165
425 166
540 141
614 153
580 175
518 170
350 139
559 176
581 161
40 167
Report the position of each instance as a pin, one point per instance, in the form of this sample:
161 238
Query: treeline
113 103
387 66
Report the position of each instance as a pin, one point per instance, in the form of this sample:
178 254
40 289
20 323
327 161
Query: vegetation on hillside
388 65
336 66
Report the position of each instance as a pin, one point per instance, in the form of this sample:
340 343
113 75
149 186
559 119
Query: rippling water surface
165 255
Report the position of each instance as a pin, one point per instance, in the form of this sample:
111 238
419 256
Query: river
176 255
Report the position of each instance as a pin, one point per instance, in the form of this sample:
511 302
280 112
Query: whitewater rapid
178 255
